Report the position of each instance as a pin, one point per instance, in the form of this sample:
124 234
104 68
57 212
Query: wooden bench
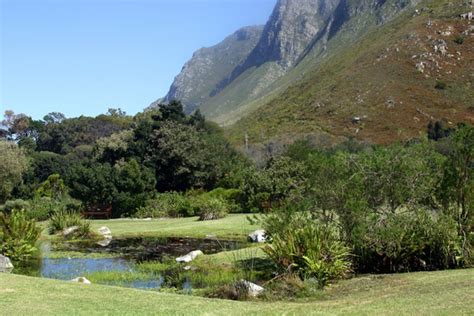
98 212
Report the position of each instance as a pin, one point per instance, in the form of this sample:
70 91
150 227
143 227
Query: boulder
189 257
252 289
70 230
105 242
5 264
105 232
257 236
82 280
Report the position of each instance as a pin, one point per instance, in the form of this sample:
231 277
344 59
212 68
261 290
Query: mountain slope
209 66
298 36
385 86
374 70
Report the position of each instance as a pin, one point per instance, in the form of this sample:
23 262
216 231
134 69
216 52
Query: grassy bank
232 226
440 293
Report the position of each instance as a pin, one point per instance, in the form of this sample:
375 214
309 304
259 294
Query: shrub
65 219
407 241
20 235
459 40
166 205
15 205
230 196
307 248
210 208
441 85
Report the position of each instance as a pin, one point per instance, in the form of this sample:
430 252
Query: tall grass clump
20 236
307 248
65 219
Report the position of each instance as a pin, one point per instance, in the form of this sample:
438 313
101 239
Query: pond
120 257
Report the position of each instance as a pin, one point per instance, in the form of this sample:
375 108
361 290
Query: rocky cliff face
290 29
230 77
209 66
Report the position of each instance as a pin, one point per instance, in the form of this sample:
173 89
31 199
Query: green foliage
63 136
53 188
20 235
306 247
66 219
13 164
209 208
126 185
457 186
438 130
268 188
459 40
170 204
440 85
231 196
407 241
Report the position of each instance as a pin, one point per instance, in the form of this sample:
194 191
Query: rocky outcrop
287 35
208 66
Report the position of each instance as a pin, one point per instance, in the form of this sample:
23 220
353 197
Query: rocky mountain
209 66
338 69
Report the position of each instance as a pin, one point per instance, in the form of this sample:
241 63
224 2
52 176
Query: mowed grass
234 226
427 293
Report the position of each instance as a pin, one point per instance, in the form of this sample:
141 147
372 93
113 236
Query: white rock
5 264
190 256
257 236
82 280
105 232
68 231
105 242
253 289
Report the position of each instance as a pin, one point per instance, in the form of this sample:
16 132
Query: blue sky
84 56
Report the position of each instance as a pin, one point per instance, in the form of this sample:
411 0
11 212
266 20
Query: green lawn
432 293
232 226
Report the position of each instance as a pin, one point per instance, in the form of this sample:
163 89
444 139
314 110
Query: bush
15 205
230 196
65 219
210 208
166 205
20 235
459 40
306 248
407 241
42 208
441 85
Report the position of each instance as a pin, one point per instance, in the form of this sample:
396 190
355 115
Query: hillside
374 70
385 87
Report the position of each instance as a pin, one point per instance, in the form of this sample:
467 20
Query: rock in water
82 280
189 257
6 265
257 236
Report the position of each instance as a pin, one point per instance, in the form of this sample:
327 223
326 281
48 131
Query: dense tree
64 136
457 187
13 164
